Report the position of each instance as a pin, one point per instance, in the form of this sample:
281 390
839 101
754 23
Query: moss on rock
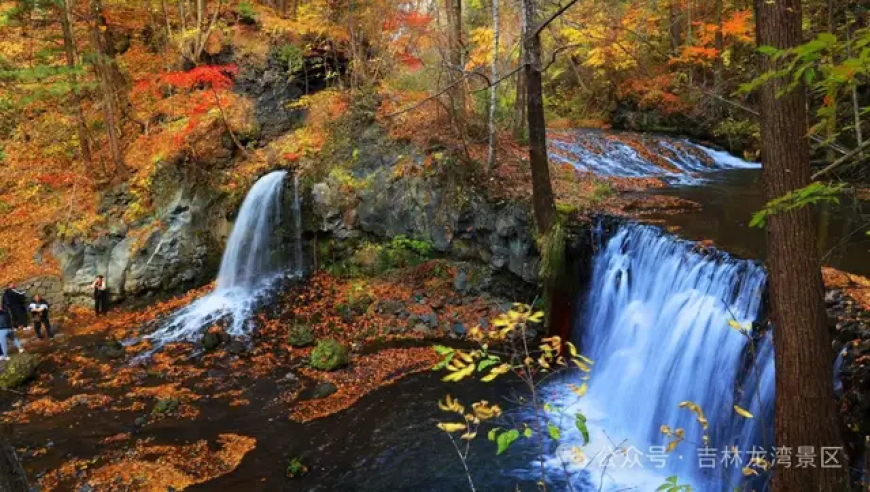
19 369
329 355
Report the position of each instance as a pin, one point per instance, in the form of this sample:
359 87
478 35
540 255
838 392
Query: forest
556 245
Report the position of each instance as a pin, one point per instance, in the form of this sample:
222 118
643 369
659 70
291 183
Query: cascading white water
594 152
248 267
656 324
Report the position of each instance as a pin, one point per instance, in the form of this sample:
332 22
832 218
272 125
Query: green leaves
554 432
580 422
671 485
505 439
814 193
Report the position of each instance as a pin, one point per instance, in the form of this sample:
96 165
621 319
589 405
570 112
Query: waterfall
657 325
604 154
248 267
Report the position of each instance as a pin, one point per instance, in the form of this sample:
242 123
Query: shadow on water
728 200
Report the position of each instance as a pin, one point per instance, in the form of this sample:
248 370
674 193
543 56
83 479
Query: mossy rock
300 335
166 406
295 468
329 355
20 369
214 339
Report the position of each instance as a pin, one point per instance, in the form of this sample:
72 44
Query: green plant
166 406
552 247
246 12
671 485
300 335
600 191
295 468
291 56
329 355
814 193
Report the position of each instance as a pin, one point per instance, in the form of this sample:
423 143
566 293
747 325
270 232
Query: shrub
166 406
300 335
329 355
247 14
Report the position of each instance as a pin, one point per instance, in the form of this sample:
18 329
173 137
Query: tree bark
719 69
454 41
493 96
805 412
69 45
542 190
675 27
110 111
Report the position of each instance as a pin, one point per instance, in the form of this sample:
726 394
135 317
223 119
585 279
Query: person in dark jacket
5 332
39 313
101 295
14 304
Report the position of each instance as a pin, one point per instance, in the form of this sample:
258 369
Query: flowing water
657 324
250 264
677 161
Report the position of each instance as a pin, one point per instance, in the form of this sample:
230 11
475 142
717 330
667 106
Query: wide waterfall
612 155
656 323
250 264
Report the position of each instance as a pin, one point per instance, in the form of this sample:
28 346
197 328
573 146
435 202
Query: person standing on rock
5 333
14 304
39 312
101 296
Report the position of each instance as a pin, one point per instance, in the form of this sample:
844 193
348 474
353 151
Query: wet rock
329 355
86 488
459 329
141 421
423 328
113 350
431 319
214 339
323 390
460 281
18 370
236 347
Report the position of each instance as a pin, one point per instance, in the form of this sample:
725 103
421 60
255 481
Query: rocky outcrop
456 222
182 251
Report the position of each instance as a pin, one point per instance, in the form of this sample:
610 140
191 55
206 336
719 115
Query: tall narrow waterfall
249 265
297 215
657 325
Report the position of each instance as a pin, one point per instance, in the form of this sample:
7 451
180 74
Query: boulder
300 335
329 355
18 370
214 339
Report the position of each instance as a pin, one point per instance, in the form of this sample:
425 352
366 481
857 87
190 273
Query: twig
553 17
841 160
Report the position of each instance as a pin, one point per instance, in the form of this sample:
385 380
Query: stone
214 339
460 281
18 370
113 350
140 421
422 328
329 355
832 297
300 335
236 347
459 329
323 390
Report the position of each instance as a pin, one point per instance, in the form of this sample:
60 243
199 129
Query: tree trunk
520 103
493 96
805 412
110 112
675 27
70 50
542 190
454 40
719 69
12 477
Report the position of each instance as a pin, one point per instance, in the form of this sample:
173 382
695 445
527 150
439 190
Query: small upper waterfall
657 325
250 263
639 156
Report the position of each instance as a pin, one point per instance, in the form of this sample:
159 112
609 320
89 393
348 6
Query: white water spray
248 267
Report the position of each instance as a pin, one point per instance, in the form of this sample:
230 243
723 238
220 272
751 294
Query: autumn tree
805 410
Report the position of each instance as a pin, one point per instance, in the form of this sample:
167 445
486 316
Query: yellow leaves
742 412
577 455
579 390
459 372
697 411
498 371
451 405
484 411
481 52
451 427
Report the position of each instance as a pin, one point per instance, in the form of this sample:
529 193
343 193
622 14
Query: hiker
13 303
5 333
101 296
39 313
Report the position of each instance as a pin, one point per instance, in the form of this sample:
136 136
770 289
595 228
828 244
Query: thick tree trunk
493 96
110 111
805 412
70 50
542 190
675 27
